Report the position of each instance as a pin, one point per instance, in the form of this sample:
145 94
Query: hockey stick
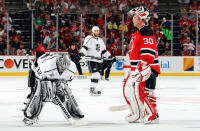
118 108
68 116
64 110
97 58
159 38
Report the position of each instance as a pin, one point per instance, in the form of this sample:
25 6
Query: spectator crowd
76 18
188 27
9 37
99 12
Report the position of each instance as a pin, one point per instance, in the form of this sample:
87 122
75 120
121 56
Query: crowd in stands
98 12
15 46
188 26
3 28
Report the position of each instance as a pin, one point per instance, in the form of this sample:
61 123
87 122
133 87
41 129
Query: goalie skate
155 120
132 118
94 92
30 122
149 119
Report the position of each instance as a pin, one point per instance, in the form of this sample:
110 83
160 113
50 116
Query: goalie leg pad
151 112
48 91
151 97
31 78
150 89
35 104
31 83
132 94
72 104
67 99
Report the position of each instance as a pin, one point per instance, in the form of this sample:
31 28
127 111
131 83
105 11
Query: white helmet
141 11
62 61
95 28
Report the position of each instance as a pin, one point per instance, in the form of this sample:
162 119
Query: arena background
58 23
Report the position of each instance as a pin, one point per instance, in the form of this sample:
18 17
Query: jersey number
98 47
39 71
148 40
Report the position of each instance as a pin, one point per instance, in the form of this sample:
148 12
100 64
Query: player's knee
95 75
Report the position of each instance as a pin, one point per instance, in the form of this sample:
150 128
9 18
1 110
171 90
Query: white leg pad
132 94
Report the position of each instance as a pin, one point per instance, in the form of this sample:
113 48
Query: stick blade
118 108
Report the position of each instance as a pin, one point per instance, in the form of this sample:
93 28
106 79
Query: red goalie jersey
143 48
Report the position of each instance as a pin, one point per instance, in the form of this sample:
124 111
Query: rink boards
170 66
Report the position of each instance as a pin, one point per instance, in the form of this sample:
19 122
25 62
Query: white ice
178 106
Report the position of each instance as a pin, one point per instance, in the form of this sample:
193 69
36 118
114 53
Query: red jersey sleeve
40 48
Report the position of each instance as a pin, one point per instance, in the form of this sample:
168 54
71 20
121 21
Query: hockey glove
81 54
141 73
146 72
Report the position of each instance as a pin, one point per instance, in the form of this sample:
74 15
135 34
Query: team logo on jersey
131 45
188 64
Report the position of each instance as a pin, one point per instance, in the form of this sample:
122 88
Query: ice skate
155 120
94 92
107 79
150 119
131 118
30 122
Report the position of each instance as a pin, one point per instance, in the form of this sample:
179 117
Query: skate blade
155 121
91 94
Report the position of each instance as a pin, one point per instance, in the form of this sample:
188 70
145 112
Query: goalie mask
141 11
63 62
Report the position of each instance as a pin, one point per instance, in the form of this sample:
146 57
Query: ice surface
178 106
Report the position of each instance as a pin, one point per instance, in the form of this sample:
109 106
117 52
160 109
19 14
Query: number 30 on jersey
148 40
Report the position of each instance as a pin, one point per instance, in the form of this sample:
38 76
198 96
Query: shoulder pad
146 31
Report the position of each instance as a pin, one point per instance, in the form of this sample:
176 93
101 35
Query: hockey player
53 74
142 53
94 48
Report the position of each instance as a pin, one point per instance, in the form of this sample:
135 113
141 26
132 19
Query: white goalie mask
63 61
141 11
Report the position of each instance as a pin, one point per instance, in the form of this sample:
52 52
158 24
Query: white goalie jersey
47 69
95 48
